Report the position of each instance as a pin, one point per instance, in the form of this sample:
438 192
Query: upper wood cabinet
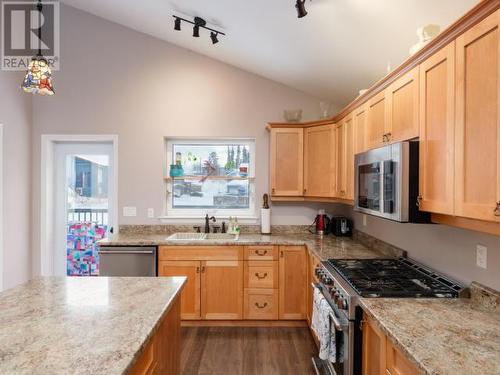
377 118
292 282
286 161
402 108
345 159
477 138
437 132
319 161
222 290
191 297
359 129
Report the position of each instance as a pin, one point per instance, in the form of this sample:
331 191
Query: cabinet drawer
261 274
261 252
200 253
261 304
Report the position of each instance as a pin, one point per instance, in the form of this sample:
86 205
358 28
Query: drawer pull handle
497 210
197 269
261 306
258 275
261 253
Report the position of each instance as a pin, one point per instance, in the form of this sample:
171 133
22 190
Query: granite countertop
441 336
95 325
329 247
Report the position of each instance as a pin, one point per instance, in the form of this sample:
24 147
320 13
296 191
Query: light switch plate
364 220
482 256
151 213
129 211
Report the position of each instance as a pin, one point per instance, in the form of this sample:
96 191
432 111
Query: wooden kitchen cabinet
312 262
401 100
377 118
191 297
437 132
162 354
319 161
477 132
374 349
380 357
261 304
345 159
286 162
359 129
292 283
222 290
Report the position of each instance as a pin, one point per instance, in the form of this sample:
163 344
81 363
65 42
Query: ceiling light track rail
197 23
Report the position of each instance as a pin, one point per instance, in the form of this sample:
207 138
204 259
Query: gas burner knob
342 303
326 280
336 297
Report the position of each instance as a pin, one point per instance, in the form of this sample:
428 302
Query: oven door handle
336 323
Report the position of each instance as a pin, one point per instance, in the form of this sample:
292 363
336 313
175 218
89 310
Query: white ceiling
340 47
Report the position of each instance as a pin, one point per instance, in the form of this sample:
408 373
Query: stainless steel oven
386 183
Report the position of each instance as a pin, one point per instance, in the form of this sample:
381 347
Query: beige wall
15 115
118 81
446 249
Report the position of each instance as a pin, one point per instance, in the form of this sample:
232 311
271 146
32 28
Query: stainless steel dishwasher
127 261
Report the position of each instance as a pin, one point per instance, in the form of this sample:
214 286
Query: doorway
78 202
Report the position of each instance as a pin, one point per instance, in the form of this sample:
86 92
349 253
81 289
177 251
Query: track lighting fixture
214 38
198 23
301 8
177 26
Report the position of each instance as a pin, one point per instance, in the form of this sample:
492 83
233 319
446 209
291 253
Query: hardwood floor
248 351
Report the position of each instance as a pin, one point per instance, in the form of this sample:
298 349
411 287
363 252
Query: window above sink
215 176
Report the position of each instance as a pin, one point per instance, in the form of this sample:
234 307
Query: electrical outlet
151 213
364 220
129 211
482 256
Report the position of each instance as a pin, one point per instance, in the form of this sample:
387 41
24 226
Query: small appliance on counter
340 226
321 224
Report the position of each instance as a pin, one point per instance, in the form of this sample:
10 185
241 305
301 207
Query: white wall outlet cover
482 256
151 213
364 220
129 211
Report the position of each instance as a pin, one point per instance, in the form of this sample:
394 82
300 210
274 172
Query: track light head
177 26
301 8
214 38
196 31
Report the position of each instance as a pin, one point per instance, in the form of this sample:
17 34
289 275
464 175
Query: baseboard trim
245 323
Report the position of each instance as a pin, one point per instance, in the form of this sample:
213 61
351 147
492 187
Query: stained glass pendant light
38 79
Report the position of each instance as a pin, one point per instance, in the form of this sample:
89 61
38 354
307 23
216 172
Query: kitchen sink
201 236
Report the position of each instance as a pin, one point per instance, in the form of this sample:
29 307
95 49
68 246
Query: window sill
195 220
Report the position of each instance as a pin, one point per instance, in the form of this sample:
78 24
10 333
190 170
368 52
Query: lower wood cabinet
222 290
162 355
292 282
261 304
380 357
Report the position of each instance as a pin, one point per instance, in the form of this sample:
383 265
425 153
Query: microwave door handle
381 187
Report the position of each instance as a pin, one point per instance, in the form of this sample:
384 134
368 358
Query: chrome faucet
207 223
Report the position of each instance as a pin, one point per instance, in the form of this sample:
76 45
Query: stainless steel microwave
386 183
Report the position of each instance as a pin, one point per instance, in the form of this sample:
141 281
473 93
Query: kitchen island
98 325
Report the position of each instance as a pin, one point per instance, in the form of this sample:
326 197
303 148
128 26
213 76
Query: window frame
197 213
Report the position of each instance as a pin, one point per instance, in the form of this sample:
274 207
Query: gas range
345 280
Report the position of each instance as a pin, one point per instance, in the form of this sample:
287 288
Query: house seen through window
208 176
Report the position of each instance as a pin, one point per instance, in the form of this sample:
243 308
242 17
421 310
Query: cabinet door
359 129
190 297
374 349
477 147
437 131
397 363
341 160
222 290
292 283
402 108
287 158
319 161
349 155
375 131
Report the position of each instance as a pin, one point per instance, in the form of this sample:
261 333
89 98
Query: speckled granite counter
329 247
81 325
441 336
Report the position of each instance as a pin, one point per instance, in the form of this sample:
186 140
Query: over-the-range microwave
386 183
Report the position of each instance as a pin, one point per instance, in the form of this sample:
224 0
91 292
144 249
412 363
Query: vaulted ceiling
340 47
